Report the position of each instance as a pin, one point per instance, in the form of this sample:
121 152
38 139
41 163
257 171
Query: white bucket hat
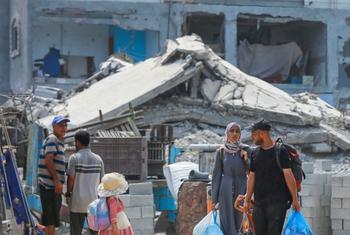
112 184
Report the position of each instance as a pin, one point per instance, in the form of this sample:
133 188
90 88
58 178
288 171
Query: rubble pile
199 136
192 88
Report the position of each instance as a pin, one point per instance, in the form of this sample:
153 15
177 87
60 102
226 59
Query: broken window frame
14 38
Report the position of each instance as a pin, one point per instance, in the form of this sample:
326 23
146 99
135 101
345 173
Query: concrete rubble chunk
209 88
237 94
322 148
307 136
347 122
225 92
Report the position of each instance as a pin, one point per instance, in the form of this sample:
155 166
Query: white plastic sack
175 173
200 228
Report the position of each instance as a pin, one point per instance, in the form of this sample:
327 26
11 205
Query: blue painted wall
139 45
131 42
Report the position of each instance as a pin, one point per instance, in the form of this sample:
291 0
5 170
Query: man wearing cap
85 171
274 188
51 173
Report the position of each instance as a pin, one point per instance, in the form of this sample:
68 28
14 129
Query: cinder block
346 181
314 179
340 213
311 190
133 212
337 224
345 203
325 200
140 224
145 188
337 181
312 212
341 192
141 200
324 165
329 178
336 203
328 189
308 167
320 223
322 231
327 211
346 224
147 212
340 232
311 201
125 199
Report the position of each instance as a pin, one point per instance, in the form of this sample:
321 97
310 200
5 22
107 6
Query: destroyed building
189 83
315 36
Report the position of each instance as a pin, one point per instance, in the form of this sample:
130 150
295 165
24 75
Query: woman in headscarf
230 178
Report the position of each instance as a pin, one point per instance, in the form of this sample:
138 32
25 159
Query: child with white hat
111 186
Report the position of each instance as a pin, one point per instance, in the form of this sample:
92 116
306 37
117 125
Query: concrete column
4 46
231 38
332 58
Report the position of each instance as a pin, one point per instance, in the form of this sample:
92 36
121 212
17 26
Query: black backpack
296 164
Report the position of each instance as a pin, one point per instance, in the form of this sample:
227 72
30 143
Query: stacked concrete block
340 205
316 196
139 208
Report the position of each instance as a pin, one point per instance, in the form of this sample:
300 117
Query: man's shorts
51 203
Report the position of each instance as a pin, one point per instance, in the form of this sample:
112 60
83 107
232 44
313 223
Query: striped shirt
51 145
88 170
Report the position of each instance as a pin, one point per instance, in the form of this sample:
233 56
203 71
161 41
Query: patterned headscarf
236 146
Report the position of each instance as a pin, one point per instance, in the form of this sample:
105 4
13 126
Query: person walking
111 186
51 174
85 171
230 178
274 188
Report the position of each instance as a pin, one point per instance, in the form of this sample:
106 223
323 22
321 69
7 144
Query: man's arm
70 183
250 190
292 187
71 174
52 171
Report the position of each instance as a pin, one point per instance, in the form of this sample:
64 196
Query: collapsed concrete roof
220 84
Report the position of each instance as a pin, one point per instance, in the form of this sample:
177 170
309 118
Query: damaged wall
71 39
168 17
21 63
4 45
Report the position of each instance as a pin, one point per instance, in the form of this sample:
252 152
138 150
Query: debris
209 88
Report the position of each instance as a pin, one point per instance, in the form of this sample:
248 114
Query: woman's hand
244 155
215 206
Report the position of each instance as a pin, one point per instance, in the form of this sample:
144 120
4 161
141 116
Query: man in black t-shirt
274 188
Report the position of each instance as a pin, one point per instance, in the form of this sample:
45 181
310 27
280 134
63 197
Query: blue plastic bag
214 228
297 225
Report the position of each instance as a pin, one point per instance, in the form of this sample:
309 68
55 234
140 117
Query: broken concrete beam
307 137
339 139
210 88
322 148
193 45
